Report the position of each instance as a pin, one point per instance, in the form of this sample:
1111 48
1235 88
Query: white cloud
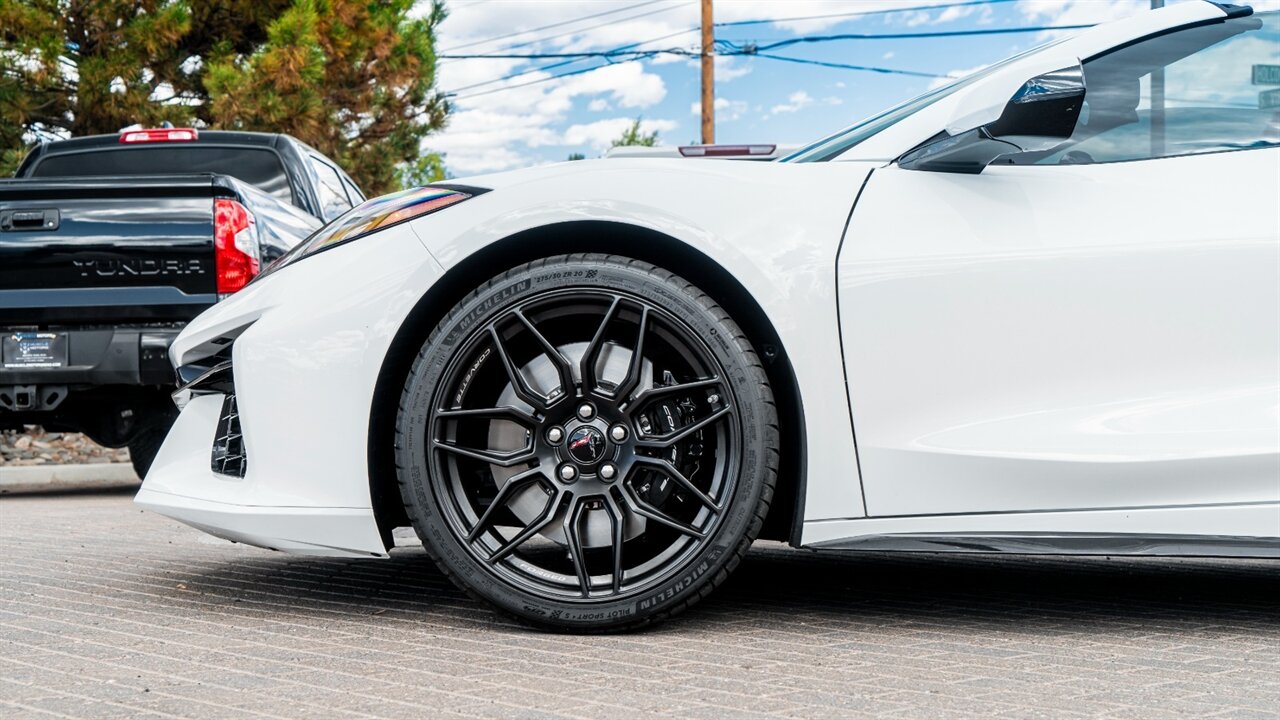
726 110
797 101
912 19
952 75
887 56
1079 12
486 159
496 131
599 135
729 68
626 83
733 10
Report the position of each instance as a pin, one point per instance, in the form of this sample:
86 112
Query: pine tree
81 67
633 136
353 78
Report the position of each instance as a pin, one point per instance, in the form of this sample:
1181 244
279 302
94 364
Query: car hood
614 170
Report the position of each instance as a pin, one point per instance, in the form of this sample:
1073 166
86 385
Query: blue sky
534 118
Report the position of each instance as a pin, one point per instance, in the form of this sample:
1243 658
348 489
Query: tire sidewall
677 297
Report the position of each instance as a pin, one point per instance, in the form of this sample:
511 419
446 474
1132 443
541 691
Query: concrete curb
60 478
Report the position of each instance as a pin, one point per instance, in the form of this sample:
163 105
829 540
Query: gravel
34 446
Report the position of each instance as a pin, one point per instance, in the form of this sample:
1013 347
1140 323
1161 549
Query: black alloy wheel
588 442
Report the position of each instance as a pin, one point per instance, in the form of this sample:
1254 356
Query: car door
1093 327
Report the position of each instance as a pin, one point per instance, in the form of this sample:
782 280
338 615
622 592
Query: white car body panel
305 371
1039 358
728 210
974 417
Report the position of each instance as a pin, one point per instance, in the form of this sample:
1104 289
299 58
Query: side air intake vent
228 444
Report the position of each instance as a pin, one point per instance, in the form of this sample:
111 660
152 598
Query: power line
860 13
562 23
572 61
844 66
736 49
532 82
908 36
593 27
553 66
740 49
606 54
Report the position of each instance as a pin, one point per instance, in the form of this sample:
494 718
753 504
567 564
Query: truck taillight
235 245
159 135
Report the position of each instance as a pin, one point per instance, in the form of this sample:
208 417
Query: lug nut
555 435
608 471
585 411
568 473
618 433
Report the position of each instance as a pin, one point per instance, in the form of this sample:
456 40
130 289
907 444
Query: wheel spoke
533 528
557 358
632 380
494 413
508 489
592 353
653 392
507 459
573 538
666 468
518 382
644 509
667 441
618 529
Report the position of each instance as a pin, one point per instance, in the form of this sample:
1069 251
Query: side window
333 199
356 196
1184 93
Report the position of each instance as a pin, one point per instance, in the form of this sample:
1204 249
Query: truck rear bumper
99 356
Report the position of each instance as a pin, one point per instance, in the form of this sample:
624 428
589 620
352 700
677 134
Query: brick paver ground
109 612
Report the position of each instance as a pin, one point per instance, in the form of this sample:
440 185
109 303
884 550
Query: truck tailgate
107 248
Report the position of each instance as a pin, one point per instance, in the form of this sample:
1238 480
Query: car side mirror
1038 117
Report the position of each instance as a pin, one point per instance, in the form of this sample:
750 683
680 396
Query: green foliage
633 136
58 58
577 156
353 78
428 168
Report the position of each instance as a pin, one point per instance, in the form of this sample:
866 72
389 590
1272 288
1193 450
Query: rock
33 446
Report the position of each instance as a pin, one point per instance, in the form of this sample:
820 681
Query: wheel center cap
586 445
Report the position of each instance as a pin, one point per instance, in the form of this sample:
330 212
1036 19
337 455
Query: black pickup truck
110 244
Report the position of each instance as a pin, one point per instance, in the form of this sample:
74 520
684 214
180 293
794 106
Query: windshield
830 147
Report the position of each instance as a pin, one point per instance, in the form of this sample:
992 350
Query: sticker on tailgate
34 350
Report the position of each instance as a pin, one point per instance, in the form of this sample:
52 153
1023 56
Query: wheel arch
786 512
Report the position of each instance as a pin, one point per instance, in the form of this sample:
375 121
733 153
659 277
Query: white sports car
1036 310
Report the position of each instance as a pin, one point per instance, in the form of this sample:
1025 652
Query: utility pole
708 76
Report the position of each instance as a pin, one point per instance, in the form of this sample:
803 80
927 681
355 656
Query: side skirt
1236 530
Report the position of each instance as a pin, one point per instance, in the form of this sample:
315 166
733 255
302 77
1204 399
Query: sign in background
1267 75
